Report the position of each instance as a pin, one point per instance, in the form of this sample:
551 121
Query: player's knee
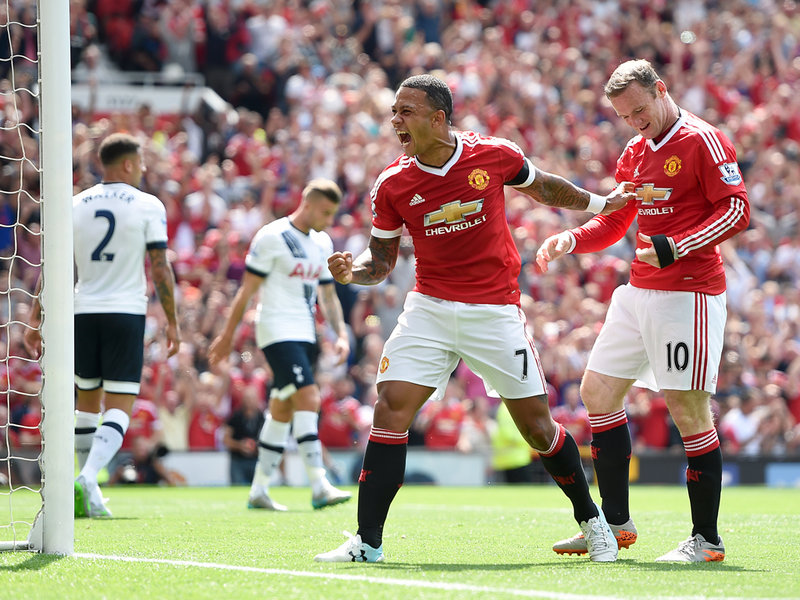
538 432
394 415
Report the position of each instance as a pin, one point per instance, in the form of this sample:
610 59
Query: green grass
442 543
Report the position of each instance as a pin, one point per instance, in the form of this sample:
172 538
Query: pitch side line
367 579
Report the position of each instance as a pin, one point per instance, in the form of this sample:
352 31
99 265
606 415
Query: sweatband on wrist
663 250
596 203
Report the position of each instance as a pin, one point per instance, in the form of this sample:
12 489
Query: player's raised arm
371 267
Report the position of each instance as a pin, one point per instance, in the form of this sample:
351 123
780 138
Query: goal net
36 394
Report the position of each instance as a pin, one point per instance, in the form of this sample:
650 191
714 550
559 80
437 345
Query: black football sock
704 482
563 462
381 476
611 454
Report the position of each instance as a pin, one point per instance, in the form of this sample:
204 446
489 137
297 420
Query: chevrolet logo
453 212
648 193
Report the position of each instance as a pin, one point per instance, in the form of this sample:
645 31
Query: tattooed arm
553 190
164 282
374 264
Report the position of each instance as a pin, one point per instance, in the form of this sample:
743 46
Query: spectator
341 421
511 454
441 420
573 416
144 465
241 435
206 418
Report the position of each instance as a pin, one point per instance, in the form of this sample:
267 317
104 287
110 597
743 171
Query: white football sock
107 441
85 427
273 434
305 431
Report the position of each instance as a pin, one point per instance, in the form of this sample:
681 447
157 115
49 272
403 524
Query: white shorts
665 340
432 334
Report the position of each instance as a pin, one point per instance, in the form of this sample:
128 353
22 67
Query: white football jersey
114 224
293 264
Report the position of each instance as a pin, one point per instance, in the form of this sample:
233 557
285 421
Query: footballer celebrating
665 328
447 189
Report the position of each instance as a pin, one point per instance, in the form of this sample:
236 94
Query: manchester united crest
479 179
384 364
672 166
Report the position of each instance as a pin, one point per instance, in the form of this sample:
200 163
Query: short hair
326 187
438 92
640 71
117 145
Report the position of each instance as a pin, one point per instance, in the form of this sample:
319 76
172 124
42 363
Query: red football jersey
689 188
144 422
456 217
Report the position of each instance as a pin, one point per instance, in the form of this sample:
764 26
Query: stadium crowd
308 86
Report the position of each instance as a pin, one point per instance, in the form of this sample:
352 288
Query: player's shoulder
698 129
321 238
394 175
273 229
473 140
707 137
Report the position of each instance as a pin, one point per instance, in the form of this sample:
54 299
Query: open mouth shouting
404 137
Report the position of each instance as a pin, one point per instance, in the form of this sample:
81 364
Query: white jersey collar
678 124
443 170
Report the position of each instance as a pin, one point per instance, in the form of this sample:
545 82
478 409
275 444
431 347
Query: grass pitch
440 543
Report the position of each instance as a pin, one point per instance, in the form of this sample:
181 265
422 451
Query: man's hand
340 264
342 349
647 254
173 340
219 349
32 340
552 248
622 194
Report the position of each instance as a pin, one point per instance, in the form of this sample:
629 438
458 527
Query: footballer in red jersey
456 216
665 328
447 190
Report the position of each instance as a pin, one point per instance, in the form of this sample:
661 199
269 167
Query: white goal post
53 527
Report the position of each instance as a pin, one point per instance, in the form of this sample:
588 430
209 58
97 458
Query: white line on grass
411 583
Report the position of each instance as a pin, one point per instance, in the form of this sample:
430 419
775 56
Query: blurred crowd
308 87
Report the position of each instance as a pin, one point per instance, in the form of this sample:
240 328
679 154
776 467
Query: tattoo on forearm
163 282
557 192
377 262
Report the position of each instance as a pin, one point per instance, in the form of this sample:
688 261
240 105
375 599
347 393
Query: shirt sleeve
327 249
156 224
722 184
602 231
262 252
386 221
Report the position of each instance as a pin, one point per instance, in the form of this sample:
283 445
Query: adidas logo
417 199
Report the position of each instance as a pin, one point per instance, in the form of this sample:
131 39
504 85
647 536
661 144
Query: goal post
52 529
58 408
